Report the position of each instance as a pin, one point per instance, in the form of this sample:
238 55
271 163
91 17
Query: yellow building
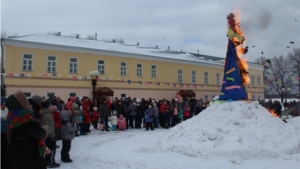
44 64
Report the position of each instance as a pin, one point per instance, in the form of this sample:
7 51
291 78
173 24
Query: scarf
20 117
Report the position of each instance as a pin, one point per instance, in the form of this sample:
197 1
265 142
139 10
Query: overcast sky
186 25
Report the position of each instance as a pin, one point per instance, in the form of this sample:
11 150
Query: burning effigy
235 68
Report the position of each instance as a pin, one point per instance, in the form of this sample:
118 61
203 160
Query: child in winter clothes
95 118
67 135
56 115
149 118
114 121
180 112
122 123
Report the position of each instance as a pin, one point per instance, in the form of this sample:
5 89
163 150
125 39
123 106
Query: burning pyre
235 34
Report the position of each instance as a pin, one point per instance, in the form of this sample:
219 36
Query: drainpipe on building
3 88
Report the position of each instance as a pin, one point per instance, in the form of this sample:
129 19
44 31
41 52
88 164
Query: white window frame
123 94
49 93
139 71
258 80
102 67
218 76
27 96
206 78
72 93
23 59
77 67
51 62
180 76
252 80
153 71
194 77
124 72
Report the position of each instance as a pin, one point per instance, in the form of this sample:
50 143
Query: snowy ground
140 149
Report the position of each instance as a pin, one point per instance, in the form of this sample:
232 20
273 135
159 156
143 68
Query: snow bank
234 130
295 122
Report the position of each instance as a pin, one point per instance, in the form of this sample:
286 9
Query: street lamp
94 74
285 91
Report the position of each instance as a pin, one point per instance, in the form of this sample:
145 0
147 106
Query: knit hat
37 99
54 108
45 104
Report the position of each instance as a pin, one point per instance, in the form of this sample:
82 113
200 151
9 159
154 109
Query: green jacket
48 119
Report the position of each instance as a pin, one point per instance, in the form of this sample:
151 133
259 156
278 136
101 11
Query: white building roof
49 39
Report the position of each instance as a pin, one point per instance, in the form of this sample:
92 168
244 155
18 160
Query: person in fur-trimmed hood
67 135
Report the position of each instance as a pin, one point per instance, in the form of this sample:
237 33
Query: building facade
43 64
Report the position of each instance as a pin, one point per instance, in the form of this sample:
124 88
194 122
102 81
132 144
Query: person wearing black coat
26 145
277 106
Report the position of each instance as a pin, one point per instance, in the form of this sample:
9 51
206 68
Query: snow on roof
44 38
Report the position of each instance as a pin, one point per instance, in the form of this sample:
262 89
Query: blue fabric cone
232 88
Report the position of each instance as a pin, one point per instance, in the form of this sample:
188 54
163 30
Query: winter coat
56 115
133 109
70 103
187 110
122 123
86 104
67 130
114 120
95 115
163 107
104 110
278 108
156 111
197 109
149 115
77 113
48 119
120 109
180 111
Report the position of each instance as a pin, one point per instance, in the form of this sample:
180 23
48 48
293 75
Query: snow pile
234 130
295 122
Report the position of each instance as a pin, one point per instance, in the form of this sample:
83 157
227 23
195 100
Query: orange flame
249 98
234 24
273 112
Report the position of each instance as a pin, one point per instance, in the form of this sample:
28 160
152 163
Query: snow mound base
230 130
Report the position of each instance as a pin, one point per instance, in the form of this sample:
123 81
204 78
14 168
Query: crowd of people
277 107
33 126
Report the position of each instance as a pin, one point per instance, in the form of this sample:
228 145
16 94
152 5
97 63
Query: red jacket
86 104
163 107
95 115
56 115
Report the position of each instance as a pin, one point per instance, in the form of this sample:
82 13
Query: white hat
137 100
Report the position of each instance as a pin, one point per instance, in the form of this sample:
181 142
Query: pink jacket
122 123
187 110
70 103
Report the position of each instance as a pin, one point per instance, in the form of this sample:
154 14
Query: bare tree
54 33
294 58
90 37
279 74
75 35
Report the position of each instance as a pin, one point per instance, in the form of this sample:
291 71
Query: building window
101 67
179 76
72 94
73 65
27 62
153 71
206 77
51 64
252 80
27 94
213 96
258 97
258 80
123 69
218 79
50 95
194 77
253 97
139 70
123 95
206 97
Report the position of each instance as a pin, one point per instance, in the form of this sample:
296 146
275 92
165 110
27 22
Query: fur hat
17 101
